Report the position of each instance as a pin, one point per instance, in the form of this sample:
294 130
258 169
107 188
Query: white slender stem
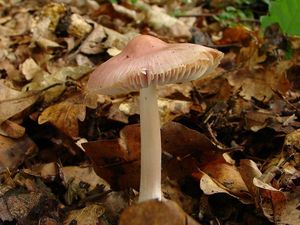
150 183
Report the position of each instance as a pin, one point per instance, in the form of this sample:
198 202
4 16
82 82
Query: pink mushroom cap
148 60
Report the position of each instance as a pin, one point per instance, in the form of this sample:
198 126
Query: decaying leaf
14 151
172 191
48 171
30 69
249 170
78 26
120 167
236 34
279 207
262 83
56 82
13 102
89 215
65 115
222 177
101 39
117 161
169 109
18 206
10 70
28 207
11 129
80 181
163 23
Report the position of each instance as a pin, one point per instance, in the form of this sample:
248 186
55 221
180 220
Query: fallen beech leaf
11 129
127 12
176 91
293 139
28 207
249 57
279 207
80 181
56 81
10 70
64 115
93 43
261 83
78 26
163 23
13 102
18 206
102 38
89 215
117 161
227 177
48 171
249 170
30 69
191 143
209 186
14 151
169 109
155 212
237 34
173 191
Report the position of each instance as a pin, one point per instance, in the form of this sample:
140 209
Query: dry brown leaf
18 206
160 21
11 129
249 170
54 84
172 191
10 70
169 109
117 160
176 91
48 171
78 26
75 177
13 102
65 115
227 177
14 151
30 69
279 207
261 83
29 207
89 215
236 34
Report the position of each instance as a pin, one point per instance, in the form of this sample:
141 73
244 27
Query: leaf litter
230 140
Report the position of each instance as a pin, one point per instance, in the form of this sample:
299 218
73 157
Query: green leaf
286 14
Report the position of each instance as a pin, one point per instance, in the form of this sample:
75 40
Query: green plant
286 14
231 16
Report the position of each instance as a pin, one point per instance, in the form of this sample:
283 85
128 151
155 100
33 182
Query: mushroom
142 65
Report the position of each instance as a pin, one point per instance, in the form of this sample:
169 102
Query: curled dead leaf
89 215
224 178
117 161
14 151
13 102
65 115
11 129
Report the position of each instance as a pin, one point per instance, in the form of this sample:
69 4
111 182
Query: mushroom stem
150 183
